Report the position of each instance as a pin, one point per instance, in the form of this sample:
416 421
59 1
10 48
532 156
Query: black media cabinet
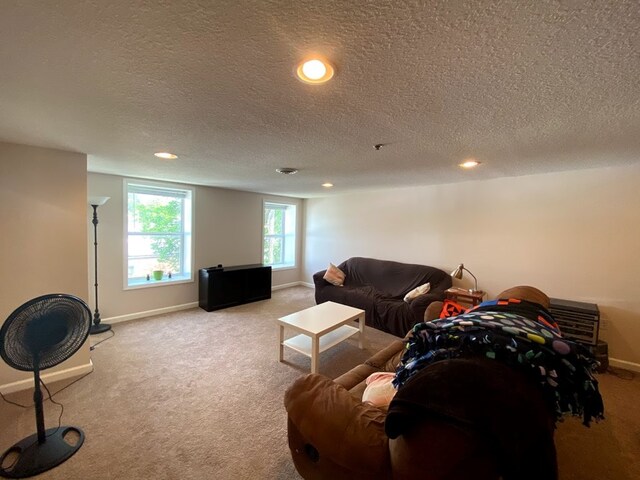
222 287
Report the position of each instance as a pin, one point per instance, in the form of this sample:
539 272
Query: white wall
575 235
43 249
228 230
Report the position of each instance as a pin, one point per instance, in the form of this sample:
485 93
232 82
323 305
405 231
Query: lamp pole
97 327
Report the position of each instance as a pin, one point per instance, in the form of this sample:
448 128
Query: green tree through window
279 235
162 217
274 233
158 232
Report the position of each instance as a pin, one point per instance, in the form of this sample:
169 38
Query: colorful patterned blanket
521 334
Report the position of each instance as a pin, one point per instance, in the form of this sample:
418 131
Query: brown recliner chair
490 422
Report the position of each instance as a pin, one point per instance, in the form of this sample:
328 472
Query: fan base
99 328
32 458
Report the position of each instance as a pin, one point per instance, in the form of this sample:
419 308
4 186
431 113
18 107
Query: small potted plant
158 271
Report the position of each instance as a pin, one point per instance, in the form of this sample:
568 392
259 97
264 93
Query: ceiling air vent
287 171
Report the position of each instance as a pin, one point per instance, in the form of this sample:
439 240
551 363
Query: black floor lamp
95 202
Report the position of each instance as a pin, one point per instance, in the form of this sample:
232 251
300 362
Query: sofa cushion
334 275
379 390
416 292
363 297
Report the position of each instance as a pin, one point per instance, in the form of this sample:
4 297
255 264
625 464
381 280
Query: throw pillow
379 390
334 275
417 292
451 309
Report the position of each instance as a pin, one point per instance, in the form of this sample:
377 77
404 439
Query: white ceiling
523 86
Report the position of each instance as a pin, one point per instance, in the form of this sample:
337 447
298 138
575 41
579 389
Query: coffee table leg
361 340
280 343
315 352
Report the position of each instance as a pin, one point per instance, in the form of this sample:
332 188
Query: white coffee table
321 327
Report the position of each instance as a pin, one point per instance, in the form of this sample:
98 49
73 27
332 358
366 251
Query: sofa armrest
337 426
320 284
318 279
421 302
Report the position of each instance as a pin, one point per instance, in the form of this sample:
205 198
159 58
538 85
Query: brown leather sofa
378 287
334 435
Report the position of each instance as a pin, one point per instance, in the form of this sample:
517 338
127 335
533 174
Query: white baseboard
149 313
634 367
47 378
308 285
289 285
284 285
185 306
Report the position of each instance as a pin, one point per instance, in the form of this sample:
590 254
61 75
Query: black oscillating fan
40 334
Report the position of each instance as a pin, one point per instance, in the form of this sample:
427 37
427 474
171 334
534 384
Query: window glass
279 234
158 234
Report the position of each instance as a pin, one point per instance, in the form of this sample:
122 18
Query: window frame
284 205
187 232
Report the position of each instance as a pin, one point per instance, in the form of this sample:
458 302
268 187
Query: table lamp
457 273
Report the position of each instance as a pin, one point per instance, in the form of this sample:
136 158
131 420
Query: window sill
280 268
144 283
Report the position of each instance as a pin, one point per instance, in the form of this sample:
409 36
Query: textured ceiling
523 86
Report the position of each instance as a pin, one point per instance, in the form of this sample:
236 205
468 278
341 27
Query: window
159 240
279 240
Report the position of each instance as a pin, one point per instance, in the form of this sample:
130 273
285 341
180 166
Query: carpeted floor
197 395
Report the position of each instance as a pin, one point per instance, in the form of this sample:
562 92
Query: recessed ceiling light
287 171
327 185
314 71
166 155
469 163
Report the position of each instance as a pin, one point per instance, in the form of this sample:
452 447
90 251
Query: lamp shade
98 200
457 273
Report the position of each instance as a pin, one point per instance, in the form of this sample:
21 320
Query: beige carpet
197 395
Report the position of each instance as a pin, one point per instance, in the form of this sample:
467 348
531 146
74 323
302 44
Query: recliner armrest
385 360
357 374
433 311
337 426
